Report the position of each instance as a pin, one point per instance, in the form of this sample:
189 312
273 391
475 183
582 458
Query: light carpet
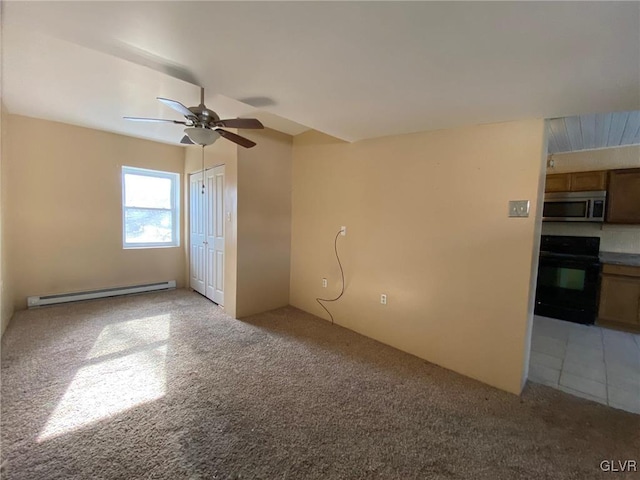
167 386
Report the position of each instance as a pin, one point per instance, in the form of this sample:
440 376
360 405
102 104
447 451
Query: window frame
174 177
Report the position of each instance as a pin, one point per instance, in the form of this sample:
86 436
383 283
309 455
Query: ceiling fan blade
177 106
240 123
186 140
140 119
243 142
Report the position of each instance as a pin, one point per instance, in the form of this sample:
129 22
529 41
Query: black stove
568 278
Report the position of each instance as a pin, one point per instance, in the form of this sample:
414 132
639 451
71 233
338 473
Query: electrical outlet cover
519 208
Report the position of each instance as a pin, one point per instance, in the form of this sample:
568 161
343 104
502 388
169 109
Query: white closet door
215 234
196 233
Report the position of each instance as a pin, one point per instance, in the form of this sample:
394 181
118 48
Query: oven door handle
568 263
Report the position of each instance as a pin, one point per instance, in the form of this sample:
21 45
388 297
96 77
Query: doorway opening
586 321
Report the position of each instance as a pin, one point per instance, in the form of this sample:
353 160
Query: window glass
151 192
150 209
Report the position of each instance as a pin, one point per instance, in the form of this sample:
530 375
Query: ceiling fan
204 125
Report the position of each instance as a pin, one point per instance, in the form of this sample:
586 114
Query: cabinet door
623 202
586 181
558 183
620 299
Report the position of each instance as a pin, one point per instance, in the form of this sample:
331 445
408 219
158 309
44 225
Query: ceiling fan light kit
202 136
204 125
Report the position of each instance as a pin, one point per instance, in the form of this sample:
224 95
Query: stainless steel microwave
574 206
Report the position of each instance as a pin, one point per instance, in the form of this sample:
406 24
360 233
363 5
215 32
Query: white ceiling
350 69
45 77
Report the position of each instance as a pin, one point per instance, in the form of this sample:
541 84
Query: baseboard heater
105 292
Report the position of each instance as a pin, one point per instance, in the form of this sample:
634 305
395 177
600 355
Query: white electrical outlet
324 283
343 231
383 298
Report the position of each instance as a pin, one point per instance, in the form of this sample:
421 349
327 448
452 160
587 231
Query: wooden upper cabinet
623 196
576 182
558 183
586 181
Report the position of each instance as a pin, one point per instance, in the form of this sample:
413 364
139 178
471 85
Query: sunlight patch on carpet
123 336
122 380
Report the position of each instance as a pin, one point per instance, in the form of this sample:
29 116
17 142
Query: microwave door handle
589 209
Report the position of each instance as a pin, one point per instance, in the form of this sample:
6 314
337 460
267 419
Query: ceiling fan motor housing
205 116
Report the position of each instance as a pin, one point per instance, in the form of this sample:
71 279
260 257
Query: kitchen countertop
632 259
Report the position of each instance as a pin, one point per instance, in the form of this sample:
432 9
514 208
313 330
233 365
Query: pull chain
203 169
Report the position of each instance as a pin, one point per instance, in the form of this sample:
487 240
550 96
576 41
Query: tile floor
597 363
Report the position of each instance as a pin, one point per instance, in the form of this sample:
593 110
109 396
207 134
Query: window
150 208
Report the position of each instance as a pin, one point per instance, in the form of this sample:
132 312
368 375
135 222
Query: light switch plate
519 208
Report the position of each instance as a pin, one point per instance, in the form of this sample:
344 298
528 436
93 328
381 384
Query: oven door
568 288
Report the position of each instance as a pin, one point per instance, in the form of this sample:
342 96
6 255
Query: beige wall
6 283
613 238
258 228
64 209
264 222
220 153
427 224
589 160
